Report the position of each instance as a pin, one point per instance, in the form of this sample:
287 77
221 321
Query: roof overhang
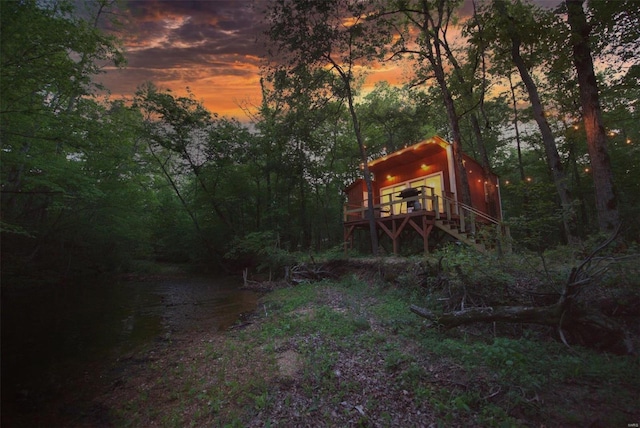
409 154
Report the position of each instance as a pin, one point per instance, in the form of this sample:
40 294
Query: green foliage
262 251
393 313
98 185
474 269
538 222
392 120
73 198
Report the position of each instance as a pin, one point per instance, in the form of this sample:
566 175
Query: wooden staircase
452 228
474 228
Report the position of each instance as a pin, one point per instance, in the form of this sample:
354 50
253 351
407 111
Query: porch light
389 177
424 166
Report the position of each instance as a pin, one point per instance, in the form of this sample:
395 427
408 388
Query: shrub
260 250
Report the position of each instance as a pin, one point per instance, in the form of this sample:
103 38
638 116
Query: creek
54 336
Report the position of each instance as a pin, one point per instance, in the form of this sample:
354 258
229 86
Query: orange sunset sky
214 47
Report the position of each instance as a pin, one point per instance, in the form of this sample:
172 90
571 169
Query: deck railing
469 219
475 222
392 206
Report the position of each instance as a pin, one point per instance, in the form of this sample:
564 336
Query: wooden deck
458 221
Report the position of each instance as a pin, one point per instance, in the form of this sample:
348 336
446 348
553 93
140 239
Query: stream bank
59 342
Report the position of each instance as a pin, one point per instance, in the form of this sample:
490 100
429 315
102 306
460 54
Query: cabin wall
355 197
357 194
426 166
392 173
481 188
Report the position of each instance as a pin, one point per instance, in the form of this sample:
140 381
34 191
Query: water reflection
49 334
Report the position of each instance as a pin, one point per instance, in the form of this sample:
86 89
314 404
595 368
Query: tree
619 98
425 24
335 36
61 171
294 157
392 119
472 89
606 198
511 25
195 151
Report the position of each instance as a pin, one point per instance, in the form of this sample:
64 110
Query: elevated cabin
417 189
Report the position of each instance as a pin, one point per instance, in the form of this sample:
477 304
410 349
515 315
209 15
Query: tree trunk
365 168
587 327
545 315
430 30
457 139
467 92
516 128
551 151
606 198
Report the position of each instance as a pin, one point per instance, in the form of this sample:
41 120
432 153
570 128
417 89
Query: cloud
212 47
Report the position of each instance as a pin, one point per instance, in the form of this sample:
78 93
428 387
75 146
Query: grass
363 359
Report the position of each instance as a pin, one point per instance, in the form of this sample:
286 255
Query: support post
394 237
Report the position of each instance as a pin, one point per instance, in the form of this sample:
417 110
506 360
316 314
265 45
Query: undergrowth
361 358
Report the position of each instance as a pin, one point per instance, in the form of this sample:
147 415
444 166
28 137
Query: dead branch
589 326
310 272
547 315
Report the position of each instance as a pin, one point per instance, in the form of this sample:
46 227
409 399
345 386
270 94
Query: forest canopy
546 98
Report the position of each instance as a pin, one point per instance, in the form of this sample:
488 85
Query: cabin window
392 204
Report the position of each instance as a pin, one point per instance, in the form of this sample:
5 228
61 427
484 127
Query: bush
260 250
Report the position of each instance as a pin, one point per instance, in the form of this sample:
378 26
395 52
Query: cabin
417 191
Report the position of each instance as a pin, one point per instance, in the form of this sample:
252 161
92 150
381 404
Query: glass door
392 203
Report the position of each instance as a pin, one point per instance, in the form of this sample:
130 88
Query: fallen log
547 315
585 326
